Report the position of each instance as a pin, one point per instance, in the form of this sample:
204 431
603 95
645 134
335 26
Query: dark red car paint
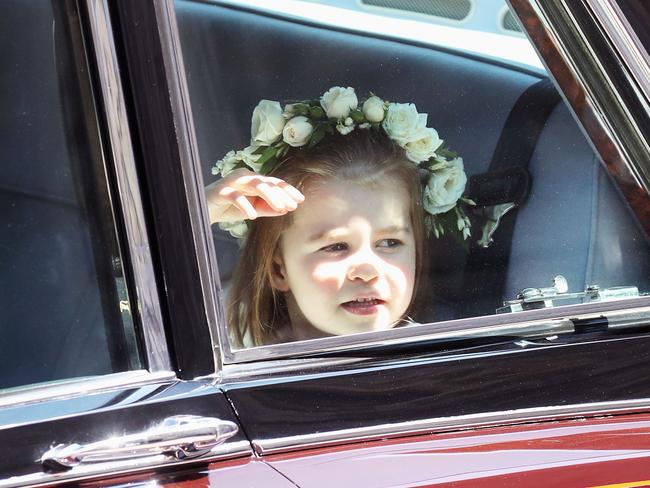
595 452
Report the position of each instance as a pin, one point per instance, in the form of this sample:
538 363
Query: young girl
336 216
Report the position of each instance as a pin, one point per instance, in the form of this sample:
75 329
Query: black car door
579 218
102 338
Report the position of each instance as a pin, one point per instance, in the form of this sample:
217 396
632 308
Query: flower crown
303 124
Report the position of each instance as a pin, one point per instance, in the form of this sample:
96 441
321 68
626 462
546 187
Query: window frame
625 41
592 81
167 173
144 290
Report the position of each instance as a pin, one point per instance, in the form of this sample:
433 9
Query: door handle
178 437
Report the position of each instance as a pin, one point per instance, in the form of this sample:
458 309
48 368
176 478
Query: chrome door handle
179 437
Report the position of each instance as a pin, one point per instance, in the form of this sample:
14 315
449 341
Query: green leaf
357 116
317 135
302 109
316 112
267 155
268 166
446 153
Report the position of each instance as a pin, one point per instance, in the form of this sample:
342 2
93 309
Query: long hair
255 309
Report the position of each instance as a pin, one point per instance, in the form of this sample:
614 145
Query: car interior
572 221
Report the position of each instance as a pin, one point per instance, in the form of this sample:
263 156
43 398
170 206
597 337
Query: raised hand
247 195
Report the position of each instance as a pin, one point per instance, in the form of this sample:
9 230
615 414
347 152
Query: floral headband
303 124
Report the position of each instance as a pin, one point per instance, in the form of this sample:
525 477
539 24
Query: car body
137 385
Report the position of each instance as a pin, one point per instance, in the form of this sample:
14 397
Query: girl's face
347 262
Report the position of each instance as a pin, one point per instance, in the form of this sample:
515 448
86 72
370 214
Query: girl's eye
338 247
389 243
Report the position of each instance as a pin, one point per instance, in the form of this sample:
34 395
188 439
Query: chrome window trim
145 292
622 35
71 388
128 467
532 323
446 424
191 169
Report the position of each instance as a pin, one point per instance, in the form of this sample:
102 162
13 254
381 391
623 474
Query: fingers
244 194
243 204
278 199
278 194
292 191
240 201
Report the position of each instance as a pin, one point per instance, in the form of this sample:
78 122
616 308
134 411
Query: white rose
423 148
297 131
373 109
289 110
226 165
403 123
267 123
246 155
338 102
237 229
344 128
445 187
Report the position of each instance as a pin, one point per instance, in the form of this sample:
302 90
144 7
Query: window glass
401 224
63 301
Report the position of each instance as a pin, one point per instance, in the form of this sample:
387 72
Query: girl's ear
278 273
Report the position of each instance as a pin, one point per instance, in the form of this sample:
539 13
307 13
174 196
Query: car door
100 348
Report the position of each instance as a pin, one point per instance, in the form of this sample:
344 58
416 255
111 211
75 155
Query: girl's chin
357 324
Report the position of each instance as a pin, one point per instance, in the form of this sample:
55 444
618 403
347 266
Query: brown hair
255 309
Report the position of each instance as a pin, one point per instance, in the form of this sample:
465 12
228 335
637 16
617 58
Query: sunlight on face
348 259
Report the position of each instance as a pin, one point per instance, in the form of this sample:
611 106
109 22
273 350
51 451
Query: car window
63 295
519 214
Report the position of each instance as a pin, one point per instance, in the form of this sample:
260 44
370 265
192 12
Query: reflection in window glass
65 311
395 229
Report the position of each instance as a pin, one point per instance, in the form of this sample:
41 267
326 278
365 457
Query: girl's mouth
363 306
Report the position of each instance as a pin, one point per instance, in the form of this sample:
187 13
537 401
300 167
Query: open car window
522 218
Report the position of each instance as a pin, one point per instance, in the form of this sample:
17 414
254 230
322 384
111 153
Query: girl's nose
365 271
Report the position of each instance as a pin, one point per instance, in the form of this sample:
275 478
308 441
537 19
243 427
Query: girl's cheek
329 273
402 279
403 274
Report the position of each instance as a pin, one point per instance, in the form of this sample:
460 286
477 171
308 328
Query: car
528 364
